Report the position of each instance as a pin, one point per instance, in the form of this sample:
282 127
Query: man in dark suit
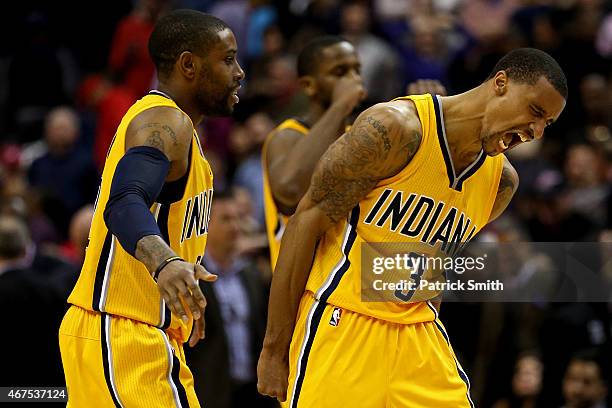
33 291
224 363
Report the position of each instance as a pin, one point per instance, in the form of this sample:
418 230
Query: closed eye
536 112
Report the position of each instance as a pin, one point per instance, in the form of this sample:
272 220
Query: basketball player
328 70
137 297
437 165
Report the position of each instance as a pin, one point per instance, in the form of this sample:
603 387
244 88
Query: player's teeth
523 137
502 144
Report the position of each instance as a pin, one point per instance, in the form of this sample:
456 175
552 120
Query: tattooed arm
168 130
381 142
508 183
157 141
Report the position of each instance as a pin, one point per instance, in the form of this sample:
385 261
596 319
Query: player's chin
231 104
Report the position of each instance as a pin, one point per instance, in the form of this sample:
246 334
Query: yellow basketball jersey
424 206
114 282
275 220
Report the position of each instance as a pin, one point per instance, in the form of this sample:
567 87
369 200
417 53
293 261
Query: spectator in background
526 383
65 175
275 90
425 55
379 62
109 102
253 241
595 124
248 19
129 61
249 173
584 383
487 20
78 236
425 38
224 363
587 191
31 305
604 37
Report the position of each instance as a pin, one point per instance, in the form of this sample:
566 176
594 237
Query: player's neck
183 101
463 115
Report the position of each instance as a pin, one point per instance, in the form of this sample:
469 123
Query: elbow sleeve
138 180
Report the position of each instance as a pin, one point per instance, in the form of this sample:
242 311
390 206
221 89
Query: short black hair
527 65
592 355
182 30
224 193
309 56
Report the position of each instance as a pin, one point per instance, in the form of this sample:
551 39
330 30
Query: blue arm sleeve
138 180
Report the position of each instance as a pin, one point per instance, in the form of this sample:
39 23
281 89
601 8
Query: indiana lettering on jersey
418 215
197 215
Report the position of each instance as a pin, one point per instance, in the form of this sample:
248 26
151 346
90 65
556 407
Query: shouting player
438 164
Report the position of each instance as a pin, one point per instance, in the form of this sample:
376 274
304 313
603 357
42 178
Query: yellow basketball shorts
339 358
112 361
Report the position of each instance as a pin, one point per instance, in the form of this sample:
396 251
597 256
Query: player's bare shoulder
279 142
398 127
162 127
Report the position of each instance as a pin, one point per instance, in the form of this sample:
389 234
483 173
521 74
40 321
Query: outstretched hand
178 285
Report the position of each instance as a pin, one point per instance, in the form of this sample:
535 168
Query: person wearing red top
129 61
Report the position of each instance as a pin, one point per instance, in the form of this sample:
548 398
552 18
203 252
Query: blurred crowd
70 70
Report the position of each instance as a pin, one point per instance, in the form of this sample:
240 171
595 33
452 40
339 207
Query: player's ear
186 64
500 82
309 85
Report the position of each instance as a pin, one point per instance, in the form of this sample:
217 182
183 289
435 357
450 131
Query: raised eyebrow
232 51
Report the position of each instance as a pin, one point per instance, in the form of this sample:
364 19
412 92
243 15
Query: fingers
203 274
187 297
181 291
174 303
197 294
275 392
198 332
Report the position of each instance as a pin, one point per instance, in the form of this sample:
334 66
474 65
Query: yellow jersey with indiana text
113 281
426 208
275 220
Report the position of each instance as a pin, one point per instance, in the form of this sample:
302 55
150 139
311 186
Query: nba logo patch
335 317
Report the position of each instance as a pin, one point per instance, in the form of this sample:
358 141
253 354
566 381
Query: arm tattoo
412 144
508 183
381 129
155 140
167 129
151 250
354 164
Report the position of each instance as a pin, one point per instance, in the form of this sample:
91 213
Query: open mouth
513 138
235 97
